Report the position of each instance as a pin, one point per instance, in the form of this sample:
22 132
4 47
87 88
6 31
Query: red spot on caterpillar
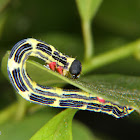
101 100
59 69
52 65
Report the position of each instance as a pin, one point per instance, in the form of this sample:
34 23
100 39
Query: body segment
51 96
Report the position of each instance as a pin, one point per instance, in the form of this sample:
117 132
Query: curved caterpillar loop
55 97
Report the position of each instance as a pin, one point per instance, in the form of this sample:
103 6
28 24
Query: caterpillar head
75 69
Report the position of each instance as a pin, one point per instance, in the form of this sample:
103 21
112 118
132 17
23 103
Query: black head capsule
75 68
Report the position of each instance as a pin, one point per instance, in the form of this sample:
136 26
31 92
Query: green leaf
124 90
4 64
81 132
88 8
120 89
28 126
59 127
34 121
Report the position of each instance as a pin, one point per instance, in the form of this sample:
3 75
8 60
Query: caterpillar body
53 96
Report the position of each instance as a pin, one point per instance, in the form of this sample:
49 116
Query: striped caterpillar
53 96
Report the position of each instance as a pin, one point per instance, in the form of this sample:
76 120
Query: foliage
110 66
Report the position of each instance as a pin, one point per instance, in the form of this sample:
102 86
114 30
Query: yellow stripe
55 97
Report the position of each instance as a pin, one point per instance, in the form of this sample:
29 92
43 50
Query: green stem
88 41
111 56
21 108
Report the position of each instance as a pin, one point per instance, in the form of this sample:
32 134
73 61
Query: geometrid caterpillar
55 97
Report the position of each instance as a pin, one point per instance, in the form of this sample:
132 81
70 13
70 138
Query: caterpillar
53 96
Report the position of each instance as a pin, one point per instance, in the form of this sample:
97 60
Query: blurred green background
58 23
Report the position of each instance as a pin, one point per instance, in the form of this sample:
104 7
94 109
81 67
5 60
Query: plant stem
88 41
111 56
21 108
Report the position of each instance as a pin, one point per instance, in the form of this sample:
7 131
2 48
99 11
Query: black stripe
107 108
56 56
41 55
15 75
21 81
93 98
41 99
11 79
117 112
71 103
44 87
26 76
44 48
42 42
22 48
70 90
94 106
46 93
63 58
20 56
63 62
59 58
72 95
16 46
